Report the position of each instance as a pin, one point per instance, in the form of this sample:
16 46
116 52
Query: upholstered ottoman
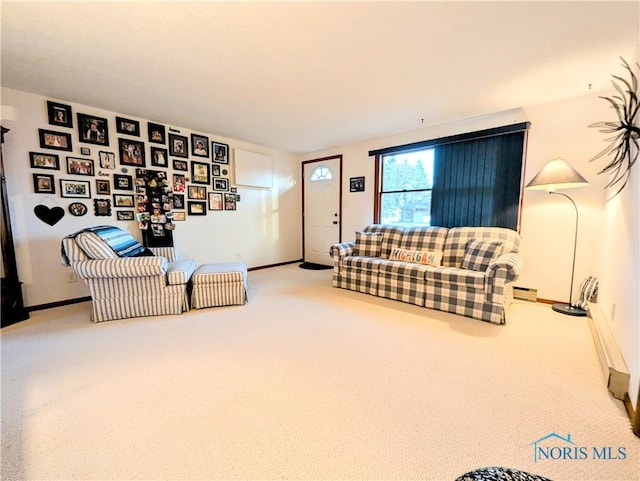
222 284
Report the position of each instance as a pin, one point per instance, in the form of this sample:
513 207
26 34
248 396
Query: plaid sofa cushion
368 244
391 236
479 254
458 237
425 239
356 263
418 257
404 269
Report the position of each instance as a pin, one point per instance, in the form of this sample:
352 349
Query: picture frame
79 166
131 152
178 201
123 200
356 184
85 151
39 160
59 114
125 215
197 208
92 129
107 160
159 157
122 182
178 146
180 165
179 181
127 126
229 201
220 184
215 170
199 145
102 207
216 201
77 209
43 184
220 152
51 139
103 187
157 133
196 192
75 189
200 173
179 216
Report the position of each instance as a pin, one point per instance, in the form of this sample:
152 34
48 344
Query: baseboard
66 302
274 265
613 365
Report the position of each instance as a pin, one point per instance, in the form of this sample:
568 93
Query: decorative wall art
220 184
216 201
197 193
199 173
178 201
625 143
103 187
44 161
85 151
220 152
131 152
59 114
102 207
93 130
197 207
199 145
156 133
107 160
50 139
178 146
77 209
125 215
229 201
122 182
153 207
79 189
158 157
127 126
178 182
78 166
49 215
122 200
180 165
356 184
43 184
179 216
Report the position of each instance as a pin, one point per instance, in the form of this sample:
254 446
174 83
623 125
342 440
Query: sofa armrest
340 251
508 266
122 267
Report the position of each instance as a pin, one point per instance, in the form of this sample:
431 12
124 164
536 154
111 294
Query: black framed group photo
38 160
127 126
131 152
78 166
75 189
93 130
50 139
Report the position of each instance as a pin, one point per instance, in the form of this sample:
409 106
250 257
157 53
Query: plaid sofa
123 284
464 270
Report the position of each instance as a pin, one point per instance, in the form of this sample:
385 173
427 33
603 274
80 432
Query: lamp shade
557 174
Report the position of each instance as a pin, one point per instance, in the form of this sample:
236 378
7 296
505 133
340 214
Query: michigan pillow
418 257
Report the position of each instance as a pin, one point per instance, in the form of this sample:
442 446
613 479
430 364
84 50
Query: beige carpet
304 382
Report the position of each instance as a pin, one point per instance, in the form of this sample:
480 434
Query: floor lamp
558 174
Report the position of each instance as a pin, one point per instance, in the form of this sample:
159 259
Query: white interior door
321 209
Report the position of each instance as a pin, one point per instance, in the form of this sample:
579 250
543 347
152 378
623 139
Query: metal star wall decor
624 145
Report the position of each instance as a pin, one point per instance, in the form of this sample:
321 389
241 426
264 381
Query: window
320 173
405 193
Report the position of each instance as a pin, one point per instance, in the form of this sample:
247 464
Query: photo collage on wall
154 182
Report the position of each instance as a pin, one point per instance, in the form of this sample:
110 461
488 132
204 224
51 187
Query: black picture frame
178 201
93 129
220 184
215 170
131 152
199 145
159 157
229 201
178 146
125 215
107 160
59 114
181 165
102 207
103 187
77 209
200 172
123 200
356 184
220 152
122 182
157 133
44 184
127 126
39 160
80 166
85 151
196 192
51 139
75 189
179 182
215 201
196 207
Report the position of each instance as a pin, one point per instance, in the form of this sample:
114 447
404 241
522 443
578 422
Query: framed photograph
77 189
122 200
179 181
196 192
180 165
178 146
179 216
77 209
131 152
220 152
122 182
221 184
78 166
44 161
156 133
85 151
356 184
102 207
215 201
93 130
178 201
50 139
103 187
197 208
59 114
127 126
200 173
159 157
215 170
199 145
43 184
107 160
125 215
229 201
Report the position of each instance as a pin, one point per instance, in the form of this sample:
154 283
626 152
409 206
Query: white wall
265 229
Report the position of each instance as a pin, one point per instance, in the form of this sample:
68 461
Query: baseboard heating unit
614 367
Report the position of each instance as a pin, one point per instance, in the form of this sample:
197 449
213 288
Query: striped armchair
125 279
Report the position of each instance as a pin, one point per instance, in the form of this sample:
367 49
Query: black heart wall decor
48 215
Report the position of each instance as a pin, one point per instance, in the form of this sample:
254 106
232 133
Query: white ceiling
303 76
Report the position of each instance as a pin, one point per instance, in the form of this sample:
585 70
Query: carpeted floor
304 382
